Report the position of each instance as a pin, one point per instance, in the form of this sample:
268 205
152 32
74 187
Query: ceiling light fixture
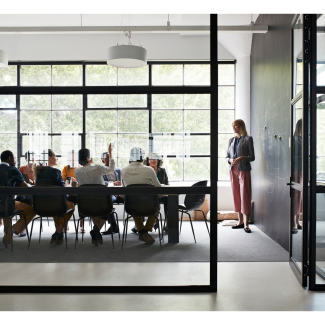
127 56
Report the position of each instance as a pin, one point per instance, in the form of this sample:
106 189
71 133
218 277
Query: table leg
173 219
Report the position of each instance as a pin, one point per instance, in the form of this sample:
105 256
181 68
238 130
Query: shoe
165 230
98 236
54 238
299 227
238 226
82 230
147 238
110 231
134 230
294 230
59 240
23 233
4 241
156 226
93 238
247 230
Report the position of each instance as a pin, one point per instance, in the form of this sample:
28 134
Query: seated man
88 174
138 173
116 179
11 176
53 175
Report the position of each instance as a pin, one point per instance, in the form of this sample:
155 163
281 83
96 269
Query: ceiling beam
139 29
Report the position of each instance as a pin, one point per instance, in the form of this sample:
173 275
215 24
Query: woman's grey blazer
245 149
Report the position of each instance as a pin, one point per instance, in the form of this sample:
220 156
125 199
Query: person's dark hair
5 155
28 155
51 152
83 154
146 162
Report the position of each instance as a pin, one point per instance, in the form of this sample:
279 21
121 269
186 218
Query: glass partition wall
166 108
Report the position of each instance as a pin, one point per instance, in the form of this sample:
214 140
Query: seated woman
27 169
53 175
88 174
155 161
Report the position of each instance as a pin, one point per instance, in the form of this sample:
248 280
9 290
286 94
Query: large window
176 126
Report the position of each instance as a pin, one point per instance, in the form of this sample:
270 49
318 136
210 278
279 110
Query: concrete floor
253 286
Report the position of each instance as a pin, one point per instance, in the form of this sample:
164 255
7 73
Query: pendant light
127 55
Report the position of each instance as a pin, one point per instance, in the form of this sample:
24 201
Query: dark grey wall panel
270 115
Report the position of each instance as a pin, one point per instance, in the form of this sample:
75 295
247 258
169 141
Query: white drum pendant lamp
127 56
3 59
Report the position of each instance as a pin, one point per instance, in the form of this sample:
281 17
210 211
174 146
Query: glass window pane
197 145
225 118
102 101
167 121
133 121
64 143
320 51
35 75
168 144
320 238
174 168
8 76
7 101
8 121
297 55
197 121
67 102
101 121
226 74
226 97
67 75
98 143
127 141
196 169
223 170
197 101
167 75
35 143
133 77
35 102
35 121
8 142
196 74
101 75
223 140
173 101
132 101
320 143
63 121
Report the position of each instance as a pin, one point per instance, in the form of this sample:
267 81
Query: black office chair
50 206
95 206
193 202
141 205
7 211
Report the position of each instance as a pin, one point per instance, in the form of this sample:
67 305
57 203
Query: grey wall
270 108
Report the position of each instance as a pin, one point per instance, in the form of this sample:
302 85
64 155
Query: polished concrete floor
254 286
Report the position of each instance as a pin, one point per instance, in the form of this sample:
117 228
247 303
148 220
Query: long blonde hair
242 126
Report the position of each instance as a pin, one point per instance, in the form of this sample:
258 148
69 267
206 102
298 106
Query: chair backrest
94 205
141 204
7 204
49 205
194 201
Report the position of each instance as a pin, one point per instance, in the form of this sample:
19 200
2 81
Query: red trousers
241 190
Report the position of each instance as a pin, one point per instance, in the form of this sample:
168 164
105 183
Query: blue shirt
236 146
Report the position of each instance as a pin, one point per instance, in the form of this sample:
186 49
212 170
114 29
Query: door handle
288 183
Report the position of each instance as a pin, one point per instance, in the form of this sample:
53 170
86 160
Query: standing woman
239 155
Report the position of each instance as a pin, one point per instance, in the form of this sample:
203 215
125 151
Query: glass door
299 153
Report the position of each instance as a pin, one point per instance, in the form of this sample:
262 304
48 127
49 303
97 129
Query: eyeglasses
153 159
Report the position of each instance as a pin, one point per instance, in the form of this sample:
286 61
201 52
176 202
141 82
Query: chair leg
180 228
40 231
160 237
206 222
112 241
123 234
119 237
74 222
48 221
31 232
76 239
26 229
127 225
12 237
65 233
191 225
